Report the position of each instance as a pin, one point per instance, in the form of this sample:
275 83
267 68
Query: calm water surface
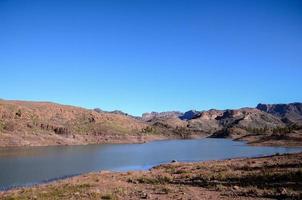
31 165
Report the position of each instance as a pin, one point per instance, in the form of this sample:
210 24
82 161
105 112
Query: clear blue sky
151 55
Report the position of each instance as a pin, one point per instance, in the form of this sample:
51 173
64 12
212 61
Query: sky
151 55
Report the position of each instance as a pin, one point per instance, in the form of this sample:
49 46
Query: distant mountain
243 119
154 115
246 123
118 112
288 112
206 121
191 114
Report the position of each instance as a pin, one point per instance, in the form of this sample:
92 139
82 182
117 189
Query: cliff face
191 114
288 112
249 117
206 121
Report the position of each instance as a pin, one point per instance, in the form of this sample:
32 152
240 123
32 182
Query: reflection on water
30 165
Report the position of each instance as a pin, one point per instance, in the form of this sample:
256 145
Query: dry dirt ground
271 177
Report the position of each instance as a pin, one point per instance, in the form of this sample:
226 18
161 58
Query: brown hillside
44 123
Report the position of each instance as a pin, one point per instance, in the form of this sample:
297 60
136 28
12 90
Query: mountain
212 121
248 117
154 115
290 113
219 123
265 124
246 121
114 112
206 121
189 115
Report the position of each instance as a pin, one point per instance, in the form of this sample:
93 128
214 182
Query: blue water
30 165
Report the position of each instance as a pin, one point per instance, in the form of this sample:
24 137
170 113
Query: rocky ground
271 177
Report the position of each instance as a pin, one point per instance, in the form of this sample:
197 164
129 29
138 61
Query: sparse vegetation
183 132
257 130
19 113
1 126
275 130
148 130
154 180
66 191
109 197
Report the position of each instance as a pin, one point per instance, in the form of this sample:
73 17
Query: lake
25 166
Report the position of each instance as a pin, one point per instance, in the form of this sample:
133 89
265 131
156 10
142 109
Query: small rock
173 161
236 187
144 195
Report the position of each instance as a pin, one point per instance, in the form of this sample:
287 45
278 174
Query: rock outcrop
155 115
289 113
191 114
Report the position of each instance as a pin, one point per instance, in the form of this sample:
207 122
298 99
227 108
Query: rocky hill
44 123
246 121
289 113
212 121
155 115
191 114
206 121
266 123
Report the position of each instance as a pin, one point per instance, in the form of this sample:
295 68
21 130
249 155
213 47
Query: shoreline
130 139
175 176
117 171
125 140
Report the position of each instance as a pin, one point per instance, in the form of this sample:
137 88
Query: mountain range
25 123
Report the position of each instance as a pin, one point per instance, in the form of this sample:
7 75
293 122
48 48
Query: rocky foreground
276 177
